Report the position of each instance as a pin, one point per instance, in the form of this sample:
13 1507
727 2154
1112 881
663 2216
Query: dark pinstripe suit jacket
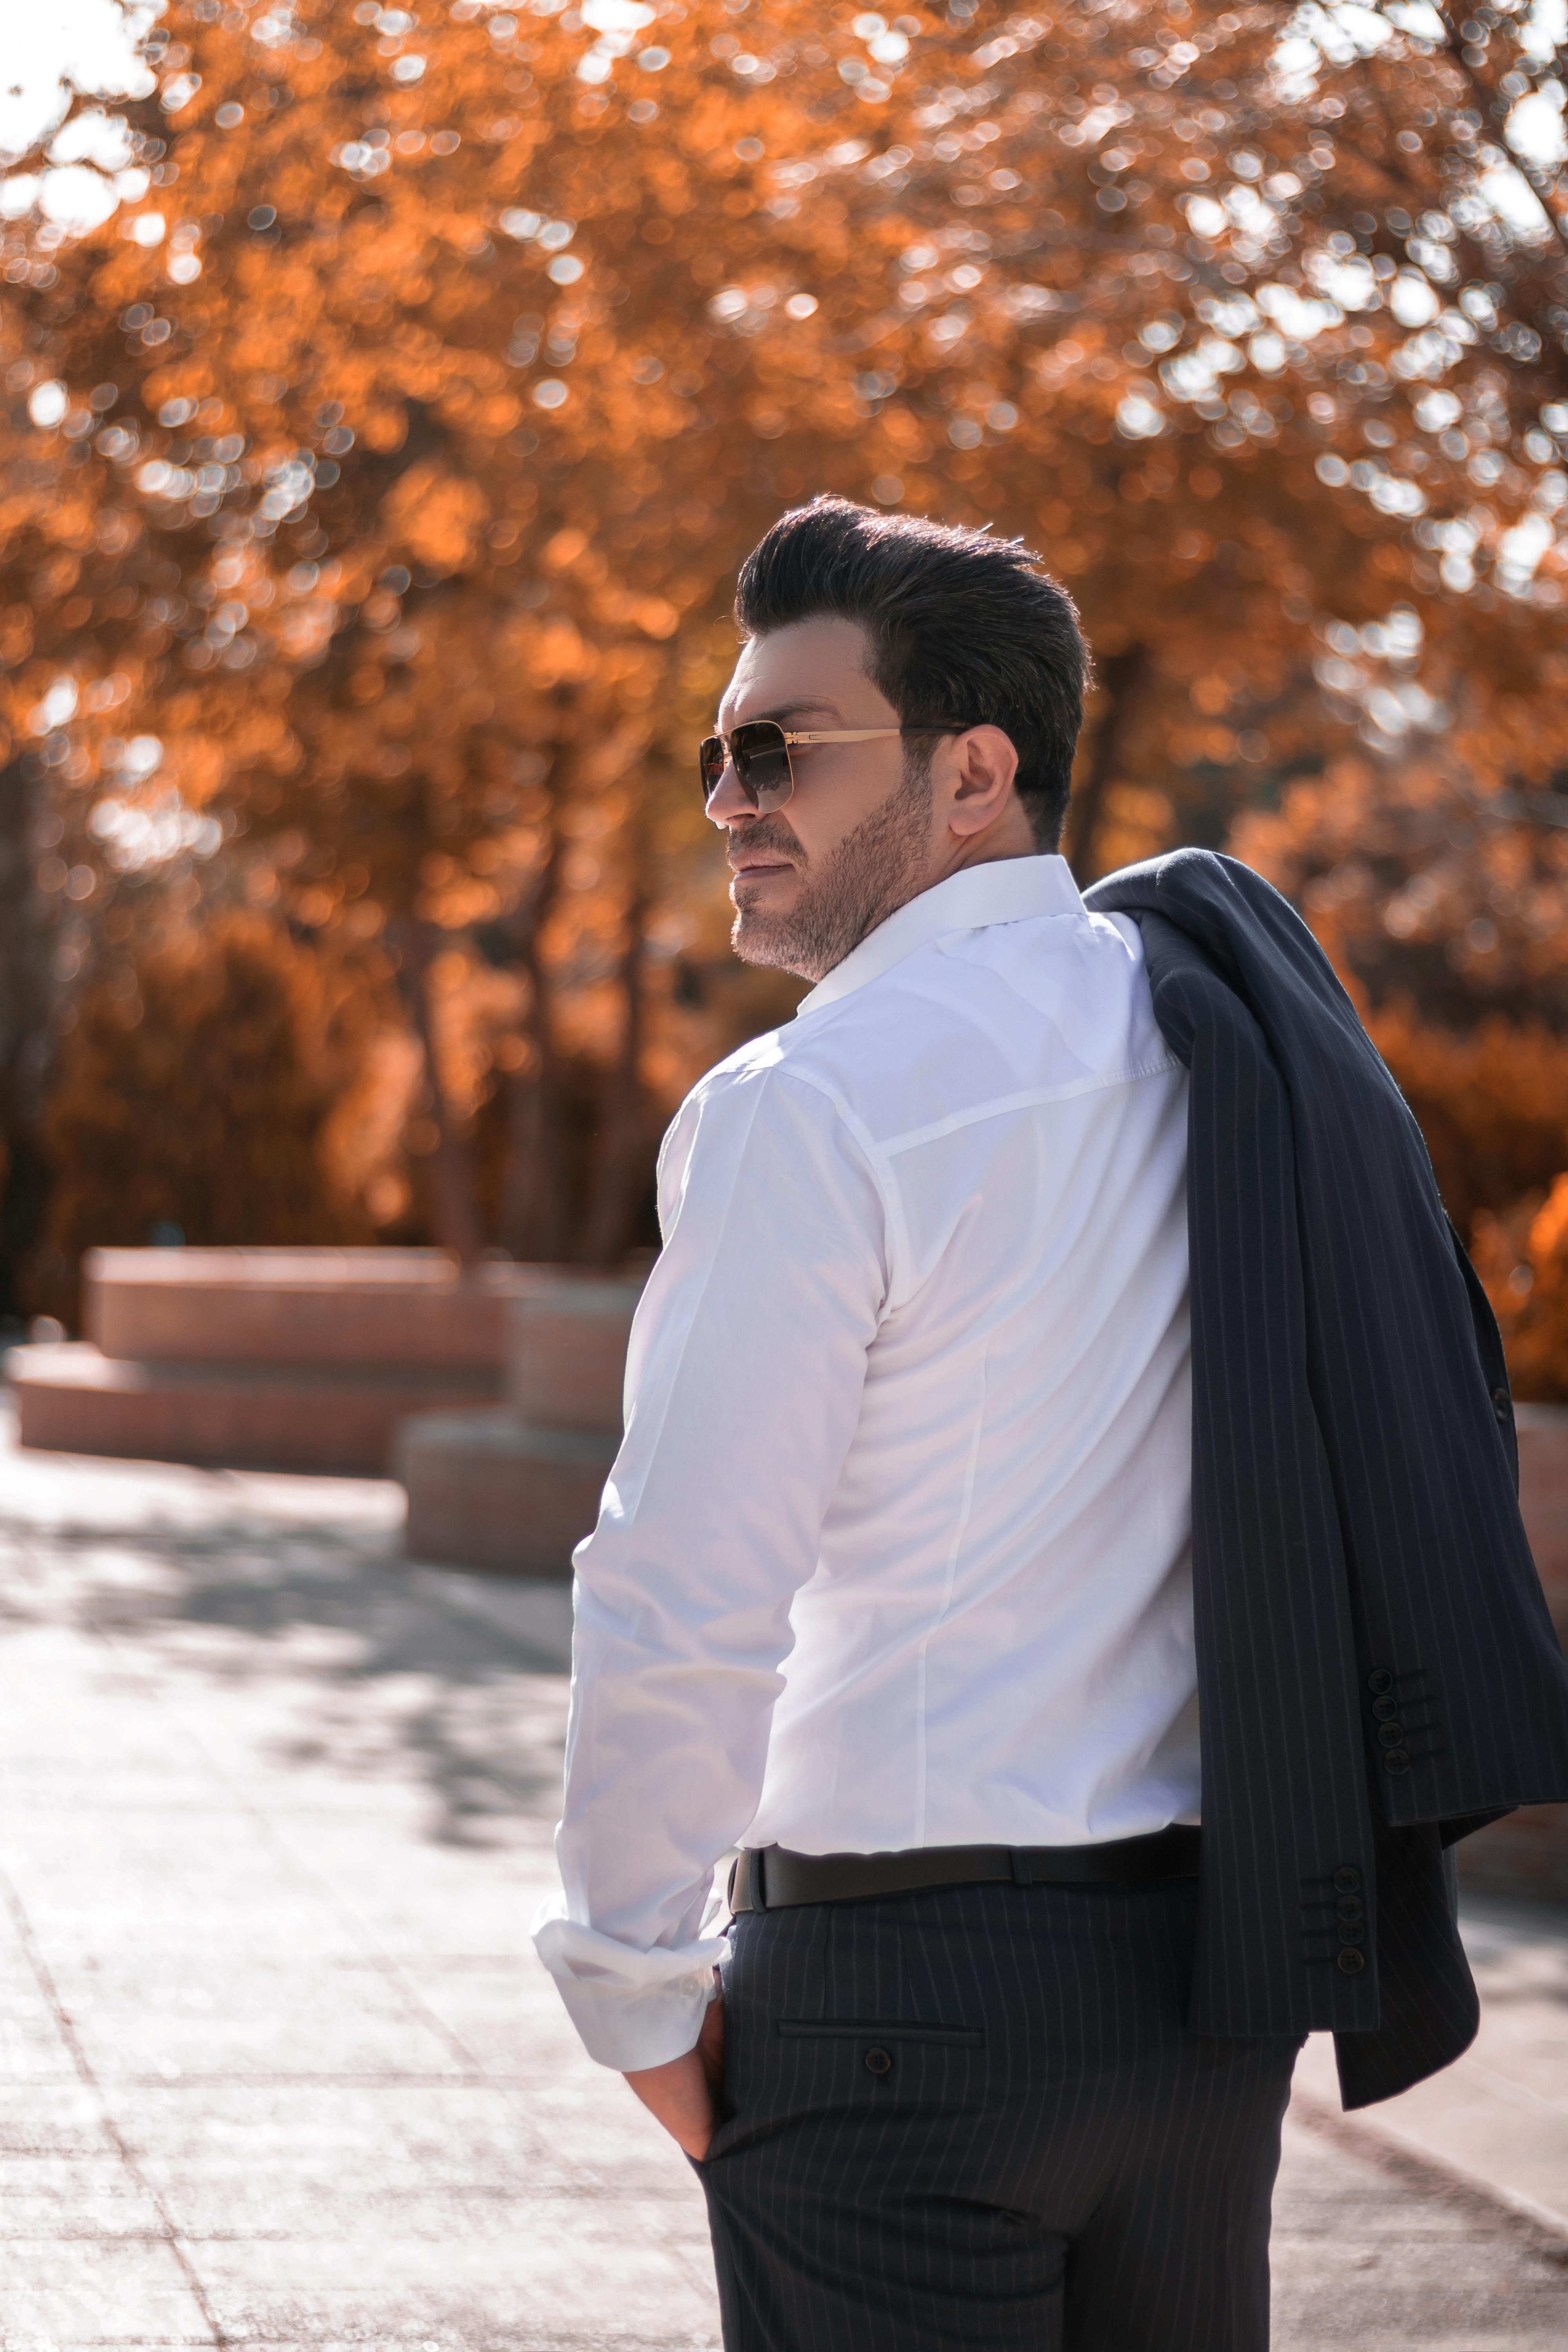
1377 1672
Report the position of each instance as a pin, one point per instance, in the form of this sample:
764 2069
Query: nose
728 804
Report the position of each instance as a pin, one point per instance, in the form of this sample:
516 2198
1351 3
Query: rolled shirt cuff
631 2008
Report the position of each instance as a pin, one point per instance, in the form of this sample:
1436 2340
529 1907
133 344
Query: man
893 1582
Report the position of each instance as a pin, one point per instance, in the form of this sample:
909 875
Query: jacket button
1385 1709
1392 1734
1501 1404
1347 1880
1379 1681
1396 1760
1352 1962
879 2061
1350 1906
1351 1935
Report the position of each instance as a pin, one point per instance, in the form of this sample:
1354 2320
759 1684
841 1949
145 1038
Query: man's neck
1012 835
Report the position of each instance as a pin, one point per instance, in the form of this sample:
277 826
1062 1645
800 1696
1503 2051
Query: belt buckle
746 1879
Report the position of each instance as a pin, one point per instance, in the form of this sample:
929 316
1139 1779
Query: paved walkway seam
1544 2232
80 2060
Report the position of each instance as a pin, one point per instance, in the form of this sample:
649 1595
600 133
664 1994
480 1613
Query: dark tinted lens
761 763
710 758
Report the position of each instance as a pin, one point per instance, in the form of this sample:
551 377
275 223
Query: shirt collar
1004 890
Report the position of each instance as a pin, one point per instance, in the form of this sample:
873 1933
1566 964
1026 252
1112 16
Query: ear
980 766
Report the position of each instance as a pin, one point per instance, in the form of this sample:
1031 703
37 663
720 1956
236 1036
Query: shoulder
759 1146
812 1059
976 1020
744 1080
770 1088
998 1015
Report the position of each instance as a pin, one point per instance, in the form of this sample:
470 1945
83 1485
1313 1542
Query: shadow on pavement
465 1674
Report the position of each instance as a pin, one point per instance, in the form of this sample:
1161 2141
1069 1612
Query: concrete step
407 1307
1543 1498
1527 1855
566 1352
489 1490
73 1399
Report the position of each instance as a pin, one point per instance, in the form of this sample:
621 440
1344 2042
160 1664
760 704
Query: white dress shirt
896 1551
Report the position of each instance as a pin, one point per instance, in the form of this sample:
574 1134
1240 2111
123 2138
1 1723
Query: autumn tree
198 1103
445 365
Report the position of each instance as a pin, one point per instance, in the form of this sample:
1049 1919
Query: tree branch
1121 678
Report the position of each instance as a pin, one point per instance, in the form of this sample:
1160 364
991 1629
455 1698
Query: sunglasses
759 754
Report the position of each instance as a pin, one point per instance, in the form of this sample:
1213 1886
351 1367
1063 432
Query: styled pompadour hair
963 629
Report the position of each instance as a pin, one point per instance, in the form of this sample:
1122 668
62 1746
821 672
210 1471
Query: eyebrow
807 705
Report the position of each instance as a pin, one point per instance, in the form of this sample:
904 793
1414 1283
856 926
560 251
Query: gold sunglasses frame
813 735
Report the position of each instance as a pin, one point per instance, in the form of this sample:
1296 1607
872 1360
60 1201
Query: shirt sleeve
743 1381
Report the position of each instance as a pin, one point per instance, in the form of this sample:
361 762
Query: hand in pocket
684 2093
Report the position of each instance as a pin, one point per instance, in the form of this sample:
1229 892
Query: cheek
815 842
824 820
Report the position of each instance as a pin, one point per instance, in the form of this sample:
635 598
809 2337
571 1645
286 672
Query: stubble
874 870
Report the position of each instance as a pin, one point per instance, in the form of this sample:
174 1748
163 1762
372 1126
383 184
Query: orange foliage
1420 885
1524 1260
1426 898
193 1092
1492 1103
414 414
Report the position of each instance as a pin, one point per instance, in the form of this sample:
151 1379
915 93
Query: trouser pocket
894 2053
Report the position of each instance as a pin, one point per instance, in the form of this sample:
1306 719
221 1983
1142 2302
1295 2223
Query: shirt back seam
1028 1098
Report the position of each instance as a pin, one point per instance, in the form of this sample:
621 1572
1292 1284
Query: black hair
961 627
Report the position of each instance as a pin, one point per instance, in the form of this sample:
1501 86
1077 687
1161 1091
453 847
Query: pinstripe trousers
971 2120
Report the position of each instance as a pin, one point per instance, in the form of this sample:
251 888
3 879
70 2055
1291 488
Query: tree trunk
620 1169
456 1201
534 1211
1122 678
25 1040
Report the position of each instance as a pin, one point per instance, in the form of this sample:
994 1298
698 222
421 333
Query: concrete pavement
1497 2121
276 2067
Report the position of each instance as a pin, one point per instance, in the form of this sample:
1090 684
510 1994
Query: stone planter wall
288 1359
1528 1852
345 1308
517 1486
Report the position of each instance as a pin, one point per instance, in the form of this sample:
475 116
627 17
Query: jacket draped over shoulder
1378 1674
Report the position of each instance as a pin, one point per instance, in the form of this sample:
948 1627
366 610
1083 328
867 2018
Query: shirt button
1396 1761
690 1985
1347 1880
879 2062
1380 1680
1352 1963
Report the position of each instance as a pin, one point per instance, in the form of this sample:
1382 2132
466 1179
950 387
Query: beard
874 870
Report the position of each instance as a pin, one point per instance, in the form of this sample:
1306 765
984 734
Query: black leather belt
771 1878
